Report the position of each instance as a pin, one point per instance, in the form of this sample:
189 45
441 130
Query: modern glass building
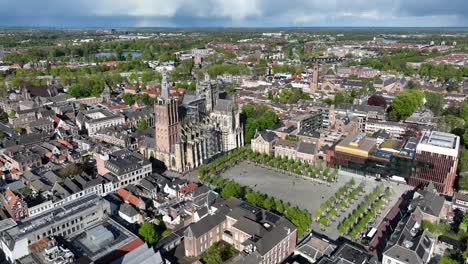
418 161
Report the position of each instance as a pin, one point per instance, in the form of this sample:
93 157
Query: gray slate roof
128 210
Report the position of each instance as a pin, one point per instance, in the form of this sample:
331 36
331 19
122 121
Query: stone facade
190 134
95 120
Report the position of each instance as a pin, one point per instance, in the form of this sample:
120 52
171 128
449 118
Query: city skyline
215 13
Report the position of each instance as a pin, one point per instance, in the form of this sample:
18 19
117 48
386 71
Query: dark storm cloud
233 13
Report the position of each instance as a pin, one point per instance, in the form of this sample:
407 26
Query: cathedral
191 131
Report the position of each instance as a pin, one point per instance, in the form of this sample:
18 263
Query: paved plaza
305 193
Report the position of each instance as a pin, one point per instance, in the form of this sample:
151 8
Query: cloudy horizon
240 13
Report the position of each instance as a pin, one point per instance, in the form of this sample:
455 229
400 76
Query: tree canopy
406 103
151 233
377 100
231 189
258 117
142 125
218 253
434 102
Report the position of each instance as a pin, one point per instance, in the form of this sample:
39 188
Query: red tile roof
149 91
61 157
49 154
10 197
56 119
110 63
117 107
132 245
130 87
181 90
188 188
127 196
14 171
64 142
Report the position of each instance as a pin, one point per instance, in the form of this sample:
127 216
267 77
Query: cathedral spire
164 87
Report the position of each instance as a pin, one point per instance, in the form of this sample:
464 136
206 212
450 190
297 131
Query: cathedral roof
224 105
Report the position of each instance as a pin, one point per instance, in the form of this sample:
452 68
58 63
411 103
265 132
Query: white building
128 213
94 120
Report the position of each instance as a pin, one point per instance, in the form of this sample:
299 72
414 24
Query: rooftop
358 145
440 139
103 239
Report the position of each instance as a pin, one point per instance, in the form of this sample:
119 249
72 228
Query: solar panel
272 218
420 251
249 207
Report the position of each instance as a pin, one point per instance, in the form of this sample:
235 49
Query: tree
465 137
148 233
148 76
464 223
218 253
300 218
464 111
129 57
4 116
453 87
464 162
258 117
142 125
425 224
377 100
448 123
128 98
212 257
18 130
434 102
231 189
279 206
406 102
70 170
268 203
447 260
119 53
343 97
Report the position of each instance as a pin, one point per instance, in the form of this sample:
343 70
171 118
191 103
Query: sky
233 13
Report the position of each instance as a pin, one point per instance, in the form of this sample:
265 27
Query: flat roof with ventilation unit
440 143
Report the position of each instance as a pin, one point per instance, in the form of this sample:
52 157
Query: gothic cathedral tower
166 119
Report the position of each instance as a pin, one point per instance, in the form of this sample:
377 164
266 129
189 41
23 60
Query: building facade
438 154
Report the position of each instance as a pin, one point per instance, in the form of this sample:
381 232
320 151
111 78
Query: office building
438 155
65 221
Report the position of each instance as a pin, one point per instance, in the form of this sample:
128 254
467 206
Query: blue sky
234 13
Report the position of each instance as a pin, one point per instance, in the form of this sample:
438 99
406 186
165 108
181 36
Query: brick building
437 154
16 207
260 236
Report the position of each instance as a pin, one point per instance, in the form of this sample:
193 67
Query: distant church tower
314 82
166 119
